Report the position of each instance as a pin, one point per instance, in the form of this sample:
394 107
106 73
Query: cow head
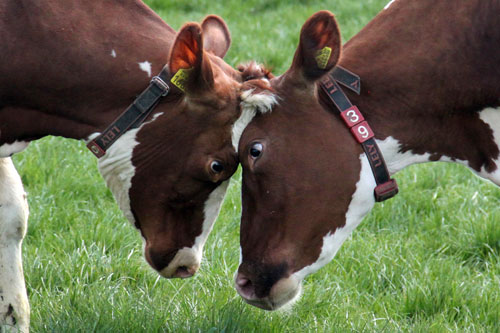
170 175
297 184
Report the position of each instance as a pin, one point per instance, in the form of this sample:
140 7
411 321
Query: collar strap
133 116
347 78
386 187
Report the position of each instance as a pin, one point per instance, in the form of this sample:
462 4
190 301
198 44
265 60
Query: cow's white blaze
14 306
251 104
146 67
113 53
9 149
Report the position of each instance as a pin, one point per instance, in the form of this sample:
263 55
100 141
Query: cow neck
423 92
78 77
134 115
360 129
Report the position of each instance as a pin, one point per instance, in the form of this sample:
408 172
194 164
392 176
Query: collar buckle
162 85
386 190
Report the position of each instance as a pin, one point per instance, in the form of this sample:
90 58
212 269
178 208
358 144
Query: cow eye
256 150
217 167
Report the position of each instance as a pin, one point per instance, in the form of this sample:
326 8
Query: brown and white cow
430 80
69 68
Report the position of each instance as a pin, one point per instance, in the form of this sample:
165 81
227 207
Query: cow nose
268 294
184 264
246 288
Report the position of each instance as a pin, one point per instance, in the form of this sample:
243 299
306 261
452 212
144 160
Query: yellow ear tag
322 57
180 78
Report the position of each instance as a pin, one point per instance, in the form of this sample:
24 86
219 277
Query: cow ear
216 36
188 65
319 47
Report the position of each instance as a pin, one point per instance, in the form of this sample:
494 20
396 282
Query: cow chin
284 293
185 264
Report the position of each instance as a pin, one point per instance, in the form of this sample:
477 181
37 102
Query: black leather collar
386 187
134 115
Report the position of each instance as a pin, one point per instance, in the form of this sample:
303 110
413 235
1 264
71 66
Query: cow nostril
184 272
184 264
245 287
242 282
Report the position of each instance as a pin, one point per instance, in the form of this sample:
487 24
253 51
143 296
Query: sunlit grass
425 261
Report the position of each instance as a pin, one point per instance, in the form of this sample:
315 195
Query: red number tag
362 132
352 116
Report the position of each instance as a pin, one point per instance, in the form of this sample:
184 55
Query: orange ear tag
322 57
180 78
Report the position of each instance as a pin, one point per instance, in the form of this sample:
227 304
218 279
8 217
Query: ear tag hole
181 77
322 57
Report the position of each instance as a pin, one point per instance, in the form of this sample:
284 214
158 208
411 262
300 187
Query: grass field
425 261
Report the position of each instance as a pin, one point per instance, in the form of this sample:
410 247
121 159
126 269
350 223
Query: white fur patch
185 257
361 203
117 170
262 102
14 306
389 4
113 53
8 149
92 137
146 67
239 126
491 117
116 167
250 105
396 160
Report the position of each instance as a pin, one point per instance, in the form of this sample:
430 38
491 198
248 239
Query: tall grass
425 261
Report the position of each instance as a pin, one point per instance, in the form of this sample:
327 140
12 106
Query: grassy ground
426 261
